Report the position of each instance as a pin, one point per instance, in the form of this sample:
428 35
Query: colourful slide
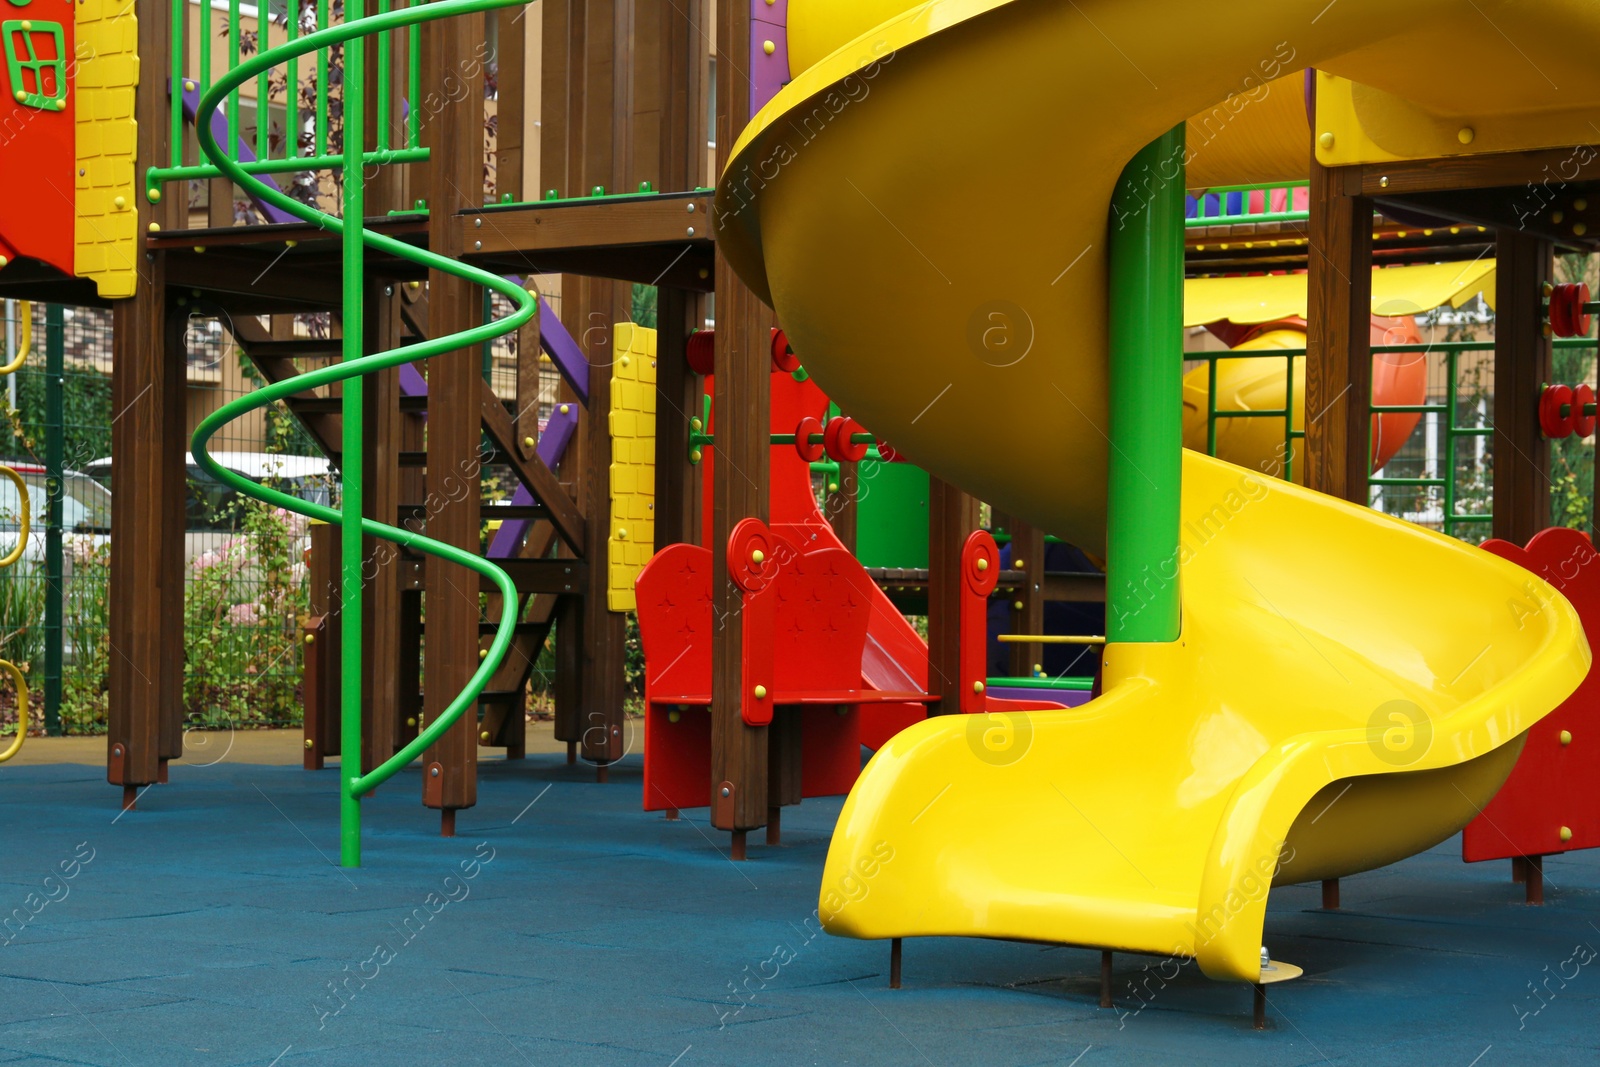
1347 689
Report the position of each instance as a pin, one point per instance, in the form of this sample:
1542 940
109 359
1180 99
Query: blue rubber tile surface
565 926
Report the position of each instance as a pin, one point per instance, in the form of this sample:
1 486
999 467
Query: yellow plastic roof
1395 291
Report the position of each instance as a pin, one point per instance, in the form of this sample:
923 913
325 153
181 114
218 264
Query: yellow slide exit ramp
1353 715
925 205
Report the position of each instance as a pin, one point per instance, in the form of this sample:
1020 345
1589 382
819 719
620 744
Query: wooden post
454 181
952 516
1338 388
511 78
584 143
322 653
841 505
1027 601
380 594
145 718
673 103
1521 369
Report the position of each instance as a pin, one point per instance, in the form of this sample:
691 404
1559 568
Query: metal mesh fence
245 578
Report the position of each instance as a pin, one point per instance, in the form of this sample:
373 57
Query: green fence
245 580
1442 477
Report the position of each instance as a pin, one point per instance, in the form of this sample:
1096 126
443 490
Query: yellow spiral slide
1347 688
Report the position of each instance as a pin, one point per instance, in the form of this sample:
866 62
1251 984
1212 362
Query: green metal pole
1146 335
54 456
350 463
352 783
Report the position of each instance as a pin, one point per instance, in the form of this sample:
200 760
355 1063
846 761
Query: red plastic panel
830 750
822 603
1553 785
38 150
879 722
677 757
675 621
980 571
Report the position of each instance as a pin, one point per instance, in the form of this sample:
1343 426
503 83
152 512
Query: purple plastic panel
768 73
1071 698
563 350
412 383
219 130
553 440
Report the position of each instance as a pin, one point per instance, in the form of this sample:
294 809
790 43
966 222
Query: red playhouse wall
38 147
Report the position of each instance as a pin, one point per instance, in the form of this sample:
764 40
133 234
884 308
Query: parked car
85 510
213 510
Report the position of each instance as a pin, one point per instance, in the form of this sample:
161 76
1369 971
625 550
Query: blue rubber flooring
565 926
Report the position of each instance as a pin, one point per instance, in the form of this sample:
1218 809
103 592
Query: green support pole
54 462
353 784
1146 392
350 581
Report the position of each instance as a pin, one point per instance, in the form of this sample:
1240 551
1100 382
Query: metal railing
1448 410
1227 205
313 112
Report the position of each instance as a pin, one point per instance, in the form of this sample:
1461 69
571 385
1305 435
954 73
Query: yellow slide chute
954 162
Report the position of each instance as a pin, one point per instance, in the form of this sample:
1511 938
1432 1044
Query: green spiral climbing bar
352 785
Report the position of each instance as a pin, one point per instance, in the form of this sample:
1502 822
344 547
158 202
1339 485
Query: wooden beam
454 179
952 516
1521 370
564 513
679 218
1338 387
1546 169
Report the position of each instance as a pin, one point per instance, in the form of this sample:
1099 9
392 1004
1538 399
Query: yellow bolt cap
528 441
308 743
760 691
310 638
1566 737
1325 140
1017 605
983 564
674 716
484 737
1566 833
768 47
977 687
757 556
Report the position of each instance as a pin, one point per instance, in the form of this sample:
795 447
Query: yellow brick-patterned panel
107 71
633 461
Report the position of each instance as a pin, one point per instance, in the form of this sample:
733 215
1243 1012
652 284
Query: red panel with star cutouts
1555 785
